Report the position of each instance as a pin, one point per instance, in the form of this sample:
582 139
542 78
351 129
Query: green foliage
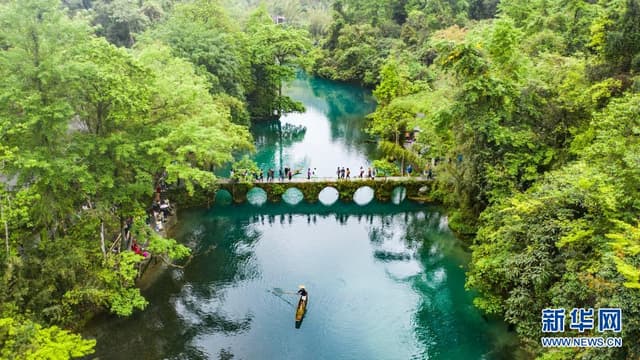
28 340
244 170
358 54
385 168
161 246
621 47
276 52
86 128
120 21
530 124
566 240
215 47
120 274
626 246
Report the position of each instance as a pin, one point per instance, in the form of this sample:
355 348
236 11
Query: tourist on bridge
314 173
342 172
361 172
308 173
338 172
348 173
290 174
369 173
280 175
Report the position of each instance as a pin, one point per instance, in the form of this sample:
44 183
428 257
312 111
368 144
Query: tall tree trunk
102 247
6 227
402 161
279 98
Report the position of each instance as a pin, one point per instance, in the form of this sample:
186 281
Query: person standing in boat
302 292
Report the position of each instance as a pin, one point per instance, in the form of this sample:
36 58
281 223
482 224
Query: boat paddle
280 291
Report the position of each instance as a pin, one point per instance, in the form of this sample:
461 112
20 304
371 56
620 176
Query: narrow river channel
385 281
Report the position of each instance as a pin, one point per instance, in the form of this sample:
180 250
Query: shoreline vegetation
527 112
531 110
95 114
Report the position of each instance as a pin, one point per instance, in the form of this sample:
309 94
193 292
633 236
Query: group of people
288 173
260 176
157 215
343 173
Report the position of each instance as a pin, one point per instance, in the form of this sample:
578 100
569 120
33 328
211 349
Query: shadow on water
181 302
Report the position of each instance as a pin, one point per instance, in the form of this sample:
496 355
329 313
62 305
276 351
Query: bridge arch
257 196
328 196
223 197
364 195
382 189
398 194
292 196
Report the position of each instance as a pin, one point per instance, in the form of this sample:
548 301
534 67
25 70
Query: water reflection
363 195
398 194
223 197
257 196
292 196
335 116
386 281
328 196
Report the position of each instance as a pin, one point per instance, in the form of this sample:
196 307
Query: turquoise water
385 281
329 134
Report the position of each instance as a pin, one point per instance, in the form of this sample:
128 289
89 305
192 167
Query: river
385 281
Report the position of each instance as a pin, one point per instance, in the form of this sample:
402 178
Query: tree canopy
86 129
527 114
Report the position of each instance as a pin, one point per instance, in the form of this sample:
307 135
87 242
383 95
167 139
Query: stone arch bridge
415 188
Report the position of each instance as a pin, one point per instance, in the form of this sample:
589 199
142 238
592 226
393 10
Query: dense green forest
528 114
98 99
530 111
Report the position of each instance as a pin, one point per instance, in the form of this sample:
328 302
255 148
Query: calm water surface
385 281
329 134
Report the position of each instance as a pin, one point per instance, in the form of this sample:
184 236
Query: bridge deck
300 179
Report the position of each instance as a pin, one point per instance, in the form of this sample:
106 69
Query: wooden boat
302 307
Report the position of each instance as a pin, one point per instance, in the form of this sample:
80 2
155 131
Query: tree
276 52
193 132
86 127
120 21
28 340
568 239
391 118
622 46
215 47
